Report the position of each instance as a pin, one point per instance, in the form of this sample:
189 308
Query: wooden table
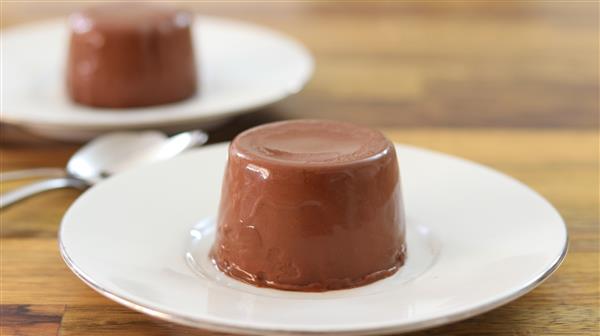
513 86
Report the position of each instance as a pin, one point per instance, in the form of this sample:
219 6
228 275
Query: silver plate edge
420 325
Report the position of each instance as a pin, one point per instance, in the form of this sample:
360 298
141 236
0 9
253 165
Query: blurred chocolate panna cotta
130 55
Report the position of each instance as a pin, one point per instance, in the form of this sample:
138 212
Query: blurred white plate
477 239
242 67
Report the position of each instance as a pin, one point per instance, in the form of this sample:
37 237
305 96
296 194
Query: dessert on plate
130 55
310 205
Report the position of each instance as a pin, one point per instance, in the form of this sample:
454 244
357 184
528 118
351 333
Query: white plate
476 240
241 66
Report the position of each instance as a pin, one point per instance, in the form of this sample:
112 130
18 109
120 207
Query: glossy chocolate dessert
310 205
130 55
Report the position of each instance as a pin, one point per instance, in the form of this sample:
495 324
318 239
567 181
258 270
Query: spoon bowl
110 154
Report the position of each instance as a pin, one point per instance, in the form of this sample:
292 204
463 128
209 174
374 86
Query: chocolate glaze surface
130 55
310 206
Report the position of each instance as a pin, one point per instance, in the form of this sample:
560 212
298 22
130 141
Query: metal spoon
105 156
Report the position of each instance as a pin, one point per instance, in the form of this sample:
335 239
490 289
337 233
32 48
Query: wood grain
467 64
560 164
30 320
512 85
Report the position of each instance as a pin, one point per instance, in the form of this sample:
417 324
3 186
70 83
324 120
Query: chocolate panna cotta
130 55
310 205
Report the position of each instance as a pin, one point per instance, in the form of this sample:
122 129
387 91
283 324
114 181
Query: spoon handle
32 173
29 190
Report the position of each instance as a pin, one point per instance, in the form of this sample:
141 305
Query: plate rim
213 326
466 313
23 120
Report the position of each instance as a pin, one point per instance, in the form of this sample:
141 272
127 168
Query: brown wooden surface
513 86
39 293
470 64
